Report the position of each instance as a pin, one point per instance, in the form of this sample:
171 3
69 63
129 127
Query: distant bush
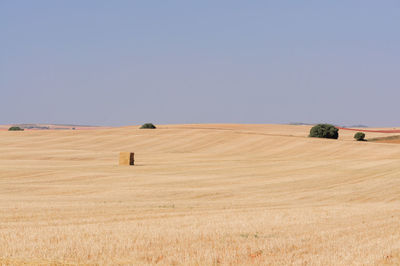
148 125
15 129
324 131
359 136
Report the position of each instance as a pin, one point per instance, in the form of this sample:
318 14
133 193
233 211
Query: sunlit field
198 195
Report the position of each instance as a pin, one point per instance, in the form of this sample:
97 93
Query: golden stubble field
199 195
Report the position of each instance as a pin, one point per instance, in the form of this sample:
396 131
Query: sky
115 63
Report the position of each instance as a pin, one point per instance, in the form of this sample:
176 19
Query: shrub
15 129
359 136
148 125
324 131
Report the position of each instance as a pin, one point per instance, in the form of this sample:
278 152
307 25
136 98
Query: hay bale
126 158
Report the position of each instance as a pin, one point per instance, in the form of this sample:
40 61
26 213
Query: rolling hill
198 195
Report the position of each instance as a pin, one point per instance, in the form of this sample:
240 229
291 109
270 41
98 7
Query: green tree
324 131
148 125
359 136
15 129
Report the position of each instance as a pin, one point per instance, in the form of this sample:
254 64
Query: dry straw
126 158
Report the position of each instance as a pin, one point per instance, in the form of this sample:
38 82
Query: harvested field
198 195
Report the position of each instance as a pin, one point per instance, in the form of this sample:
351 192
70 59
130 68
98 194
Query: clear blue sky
129 62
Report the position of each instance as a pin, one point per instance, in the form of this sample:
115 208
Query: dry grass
199 195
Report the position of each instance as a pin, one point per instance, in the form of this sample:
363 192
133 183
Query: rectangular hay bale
126 158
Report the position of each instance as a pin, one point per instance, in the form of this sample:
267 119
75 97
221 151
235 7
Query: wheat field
198 195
